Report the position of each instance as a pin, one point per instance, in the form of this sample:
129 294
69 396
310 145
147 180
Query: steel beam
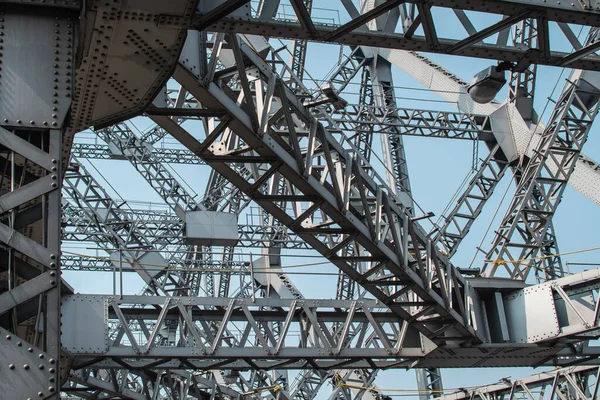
38 42
580 383
585 178
471 46
370 336
518 241
333 202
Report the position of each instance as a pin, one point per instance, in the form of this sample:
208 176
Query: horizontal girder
579 383
266 333
425 15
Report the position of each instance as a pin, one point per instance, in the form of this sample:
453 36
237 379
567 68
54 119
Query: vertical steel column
521 87
36 85
299 53
429 382
392 145
521 91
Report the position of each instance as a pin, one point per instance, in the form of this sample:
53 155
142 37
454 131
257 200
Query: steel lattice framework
291 167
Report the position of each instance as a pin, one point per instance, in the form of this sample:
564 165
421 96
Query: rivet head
41 394
30 349
8 337
51 361
51 370
41 355
26 366
11 366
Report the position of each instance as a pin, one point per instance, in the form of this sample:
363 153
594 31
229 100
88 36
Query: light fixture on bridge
487 83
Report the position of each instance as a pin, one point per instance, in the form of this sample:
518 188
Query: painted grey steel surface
127 52
211 228
452 89
35 94
27 371
579 382
27 291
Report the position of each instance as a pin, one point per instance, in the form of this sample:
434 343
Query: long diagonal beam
402 241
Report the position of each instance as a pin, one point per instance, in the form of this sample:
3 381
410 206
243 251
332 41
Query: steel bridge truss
306 160
415 15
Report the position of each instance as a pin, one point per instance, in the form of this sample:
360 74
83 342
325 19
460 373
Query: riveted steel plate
129 49
27 372
84 324
510 131
488 356
36 78
531 315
